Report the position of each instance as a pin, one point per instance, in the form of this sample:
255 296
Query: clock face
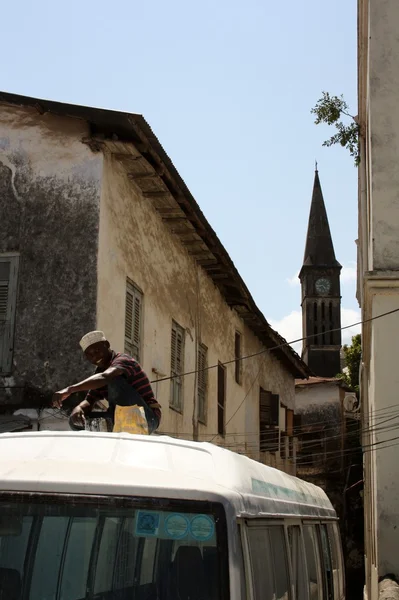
323 285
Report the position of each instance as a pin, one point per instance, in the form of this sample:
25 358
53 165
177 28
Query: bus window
298 562
335 550
268 554
312 561
106 555
71 548
125 556
280 559
261 563
13 548
48 557
75 568
326 564
148 561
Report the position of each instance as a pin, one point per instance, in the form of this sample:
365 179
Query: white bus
107 516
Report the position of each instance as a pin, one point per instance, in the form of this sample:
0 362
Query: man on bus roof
121 381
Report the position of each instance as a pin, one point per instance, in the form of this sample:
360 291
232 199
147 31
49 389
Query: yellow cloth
130 419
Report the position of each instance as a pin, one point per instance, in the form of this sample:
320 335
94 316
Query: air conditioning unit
351 403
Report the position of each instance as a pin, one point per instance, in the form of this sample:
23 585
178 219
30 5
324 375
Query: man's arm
94 382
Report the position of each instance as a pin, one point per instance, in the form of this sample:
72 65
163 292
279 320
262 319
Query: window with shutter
289 426
268 429
133 320
8 298
177 367
221 399
275 410
264 407
237 353
202 382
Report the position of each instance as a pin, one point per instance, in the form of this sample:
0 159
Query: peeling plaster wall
319 402
320 405
135 243
49 212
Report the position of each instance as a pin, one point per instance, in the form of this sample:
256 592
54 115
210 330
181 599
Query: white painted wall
384 122
135 243
385 334
378 266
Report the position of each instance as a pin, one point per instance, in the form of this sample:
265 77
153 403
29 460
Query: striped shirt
134 375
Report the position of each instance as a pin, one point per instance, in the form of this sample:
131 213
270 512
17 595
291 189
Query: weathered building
98 230
320 424
378 280
329 454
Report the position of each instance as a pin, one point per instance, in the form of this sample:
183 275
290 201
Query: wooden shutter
179 352
264 408
268 432
275 410
237 353
221 399
8 300
173 351
202 380
177 348
5 269
133 320
176 365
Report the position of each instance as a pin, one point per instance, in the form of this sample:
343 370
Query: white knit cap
92 338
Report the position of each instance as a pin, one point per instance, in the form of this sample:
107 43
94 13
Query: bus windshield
75 548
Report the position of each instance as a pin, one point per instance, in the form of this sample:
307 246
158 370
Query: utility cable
279 346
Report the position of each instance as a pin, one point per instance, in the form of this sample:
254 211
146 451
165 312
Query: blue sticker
147 523
176 526
202 528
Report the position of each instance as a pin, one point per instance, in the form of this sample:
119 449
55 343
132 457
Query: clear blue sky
227 87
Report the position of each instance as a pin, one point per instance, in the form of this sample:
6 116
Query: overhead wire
382 413
63 414
338 453
301 460
382 444
316 444
277 347
268 350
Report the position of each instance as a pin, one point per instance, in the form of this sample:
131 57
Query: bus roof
153 466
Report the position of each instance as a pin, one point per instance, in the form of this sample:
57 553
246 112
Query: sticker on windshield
147 523
202 528
176 526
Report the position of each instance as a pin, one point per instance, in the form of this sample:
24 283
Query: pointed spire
319 250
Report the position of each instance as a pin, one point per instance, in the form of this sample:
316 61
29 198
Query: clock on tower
323 285
321 295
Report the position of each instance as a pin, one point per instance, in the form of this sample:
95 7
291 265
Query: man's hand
59 397
78 416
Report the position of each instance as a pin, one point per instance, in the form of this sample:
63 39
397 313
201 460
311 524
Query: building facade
100 231
320 425
378 280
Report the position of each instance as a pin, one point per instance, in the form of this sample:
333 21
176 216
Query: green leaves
329 110
353 354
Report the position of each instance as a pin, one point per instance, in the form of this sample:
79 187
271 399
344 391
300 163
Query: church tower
321 293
